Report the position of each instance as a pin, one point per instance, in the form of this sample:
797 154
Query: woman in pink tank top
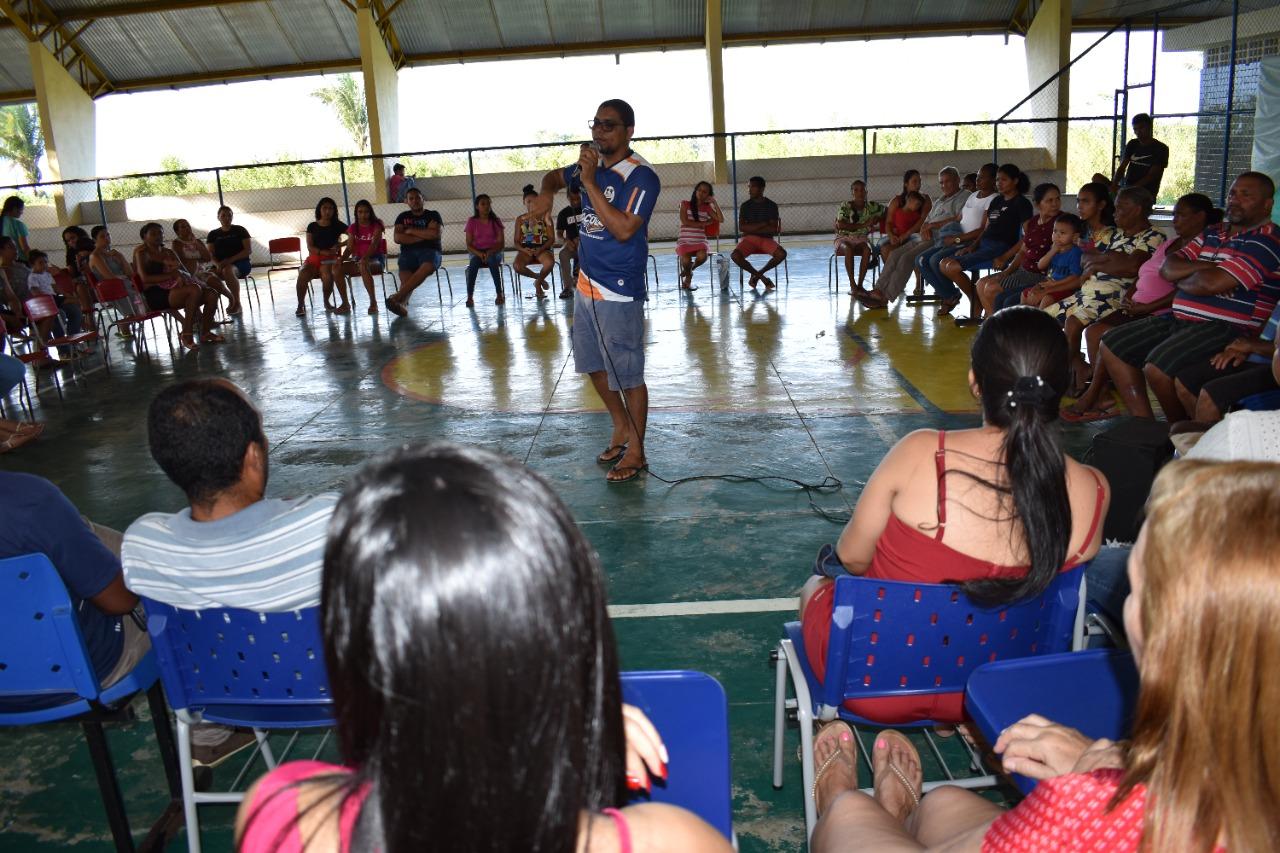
998 510
474 676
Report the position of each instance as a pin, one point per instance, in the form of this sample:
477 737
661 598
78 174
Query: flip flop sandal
626 478
819 772
395 307
610 456
946 306
893 768
968 321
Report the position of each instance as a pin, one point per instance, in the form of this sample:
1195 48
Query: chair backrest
233 659
1267 401
64 284
40 308
691 713
893 638
42 651
109 289
284 245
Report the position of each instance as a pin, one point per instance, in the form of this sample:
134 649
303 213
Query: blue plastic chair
893 638
46 675
691 713
1093 691
239 668
1267 401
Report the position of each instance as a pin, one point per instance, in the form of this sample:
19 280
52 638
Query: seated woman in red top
999 509
475 679
1203 619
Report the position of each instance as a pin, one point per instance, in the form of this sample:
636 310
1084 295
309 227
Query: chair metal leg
189 808
779 713
108 785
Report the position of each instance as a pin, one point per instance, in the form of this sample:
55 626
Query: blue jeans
927 263
11 371
1107 582
473 269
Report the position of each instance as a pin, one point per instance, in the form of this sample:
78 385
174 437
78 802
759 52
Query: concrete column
68 122
715 77
381 92
1048 48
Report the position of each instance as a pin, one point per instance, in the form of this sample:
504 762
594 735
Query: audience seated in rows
364 254
105 262
1006 212
1228 284
1208 389
1151 294
325 248
973 221
905 214
232 251
1202 622
942 221
486 239
18 283
696 218
1019 268
1062 265
760 224
999 509
470 715
417 233
568 221
1109 270
197 261
535 243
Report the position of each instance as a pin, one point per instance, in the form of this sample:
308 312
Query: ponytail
1020 364
1018 176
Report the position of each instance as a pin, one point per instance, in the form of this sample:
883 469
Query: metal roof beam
37 22
209 78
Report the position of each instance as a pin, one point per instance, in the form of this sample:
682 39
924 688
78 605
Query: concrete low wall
807 189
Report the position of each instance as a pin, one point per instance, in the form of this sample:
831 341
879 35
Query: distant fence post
865 172
342 176
217 177
733 161
471 172
102 205
995 141
1231 96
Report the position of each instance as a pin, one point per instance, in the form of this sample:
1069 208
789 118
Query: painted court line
704 608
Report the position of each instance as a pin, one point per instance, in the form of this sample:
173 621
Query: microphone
594 146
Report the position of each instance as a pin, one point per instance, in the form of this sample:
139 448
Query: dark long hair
373 214
475 207
473 667
906 179
1019 361
693 200
1102 193
1021 181
321 204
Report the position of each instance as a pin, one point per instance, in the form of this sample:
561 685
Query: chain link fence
808 171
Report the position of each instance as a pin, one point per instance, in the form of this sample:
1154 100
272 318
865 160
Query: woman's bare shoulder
658 827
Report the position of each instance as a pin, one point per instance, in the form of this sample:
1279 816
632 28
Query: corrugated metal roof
196 41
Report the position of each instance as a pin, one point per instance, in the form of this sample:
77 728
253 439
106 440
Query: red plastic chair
283 246
27 348
41 308
110 290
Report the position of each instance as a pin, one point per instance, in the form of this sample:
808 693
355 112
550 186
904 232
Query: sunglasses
606 125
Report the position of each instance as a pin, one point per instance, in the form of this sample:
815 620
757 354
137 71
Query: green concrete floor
801 384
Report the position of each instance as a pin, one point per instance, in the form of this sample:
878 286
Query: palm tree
21 140
346 97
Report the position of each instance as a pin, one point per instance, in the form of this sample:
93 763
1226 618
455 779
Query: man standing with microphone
619 189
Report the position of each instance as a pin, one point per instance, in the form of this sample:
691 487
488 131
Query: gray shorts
609 336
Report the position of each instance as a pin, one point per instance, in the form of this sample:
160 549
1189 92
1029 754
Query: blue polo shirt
614 269
36 517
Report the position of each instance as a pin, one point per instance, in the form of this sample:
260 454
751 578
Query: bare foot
768 282
895 767
834 758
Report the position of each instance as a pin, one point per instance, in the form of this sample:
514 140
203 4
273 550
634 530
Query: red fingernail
664 772
633 783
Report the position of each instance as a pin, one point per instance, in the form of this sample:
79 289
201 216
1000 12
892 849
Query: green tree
21 140
346 98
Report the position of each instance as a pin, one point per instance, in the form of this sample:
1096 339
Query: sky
779 86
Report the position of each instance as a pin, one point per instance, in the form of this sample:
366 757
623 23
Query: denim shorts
243 266
414 256
609 336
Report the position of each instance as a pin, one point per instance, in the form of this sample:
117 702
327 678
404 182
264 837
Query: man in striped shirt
1228 283
233 546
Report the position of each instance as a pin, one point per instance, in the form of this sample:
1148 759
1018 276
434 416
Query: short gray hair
949 170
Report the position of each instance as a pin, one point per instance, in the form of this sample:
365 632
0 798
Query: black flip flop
609 457
634 469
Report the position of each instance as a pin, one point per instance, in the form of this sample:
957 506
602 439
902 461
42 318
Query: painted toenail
880 744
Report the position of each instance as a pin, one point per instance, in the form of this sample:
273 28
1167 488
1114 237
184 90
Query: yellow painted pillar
1048 48
715 77
381 93
68 122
